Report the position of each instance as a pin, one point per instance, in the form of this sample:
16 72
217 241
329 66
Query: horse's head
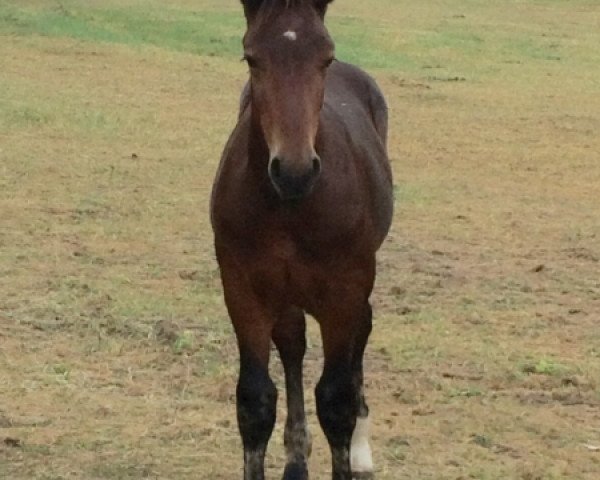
288 50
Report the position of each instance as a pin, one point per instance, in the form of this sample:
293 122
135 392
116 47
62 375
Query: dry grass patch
116 356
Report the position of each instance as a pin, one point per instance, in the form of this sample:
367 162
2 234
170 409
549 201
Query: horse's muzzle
293 183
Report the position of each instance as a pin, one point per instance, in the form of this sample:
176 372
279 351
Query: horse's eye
251 61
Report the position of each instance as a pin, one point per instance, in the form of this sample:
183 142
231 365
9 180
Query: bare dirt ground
117 360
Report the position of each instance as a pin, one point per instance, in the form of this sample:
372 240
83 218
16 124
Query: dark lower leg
256 402
337 407
296 436
361 459
358 355
290 338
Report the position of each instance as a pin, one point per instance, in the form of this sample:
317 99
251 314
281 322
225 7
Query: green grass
24 108
451 46
202 32
212 33
545 366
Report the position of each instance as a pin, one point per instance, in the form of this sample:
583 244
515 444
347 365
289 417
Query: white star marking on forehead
290 35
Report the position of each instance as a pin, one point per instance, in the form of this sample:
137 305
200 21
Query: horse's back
355 121
348 89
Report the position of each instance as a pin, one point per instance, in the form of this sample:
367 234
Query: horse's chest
279 247
284 268
286 259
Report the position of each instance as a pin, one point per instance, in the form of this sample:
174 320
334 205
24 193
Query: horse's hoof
295 471
363 476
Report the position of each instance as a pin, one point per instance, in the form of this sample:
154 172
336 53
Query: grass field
117 360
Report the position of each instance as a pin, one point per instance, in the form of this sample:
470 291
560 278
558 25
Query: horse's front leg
256 395
289 336
361 458
344 328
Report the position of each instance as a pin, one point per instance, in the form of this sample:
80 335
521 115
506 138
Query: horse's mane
287 3
269 4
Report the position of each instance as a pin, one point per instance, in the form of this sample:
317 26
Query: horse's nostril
275 168
294 181
316 165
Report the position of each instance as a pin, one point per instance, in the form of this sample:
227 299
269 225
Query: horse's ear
321 6
251 7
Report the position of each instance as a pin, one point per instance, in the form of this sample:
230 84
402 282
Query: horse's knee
256 405
337 406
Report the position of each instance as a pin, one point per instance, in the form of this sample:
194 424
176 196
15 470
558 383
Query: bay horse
301 202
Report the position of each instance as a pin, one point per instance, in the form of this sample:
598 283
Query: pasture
117 359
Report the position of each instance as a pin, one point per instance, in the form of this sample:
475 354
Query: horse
301 202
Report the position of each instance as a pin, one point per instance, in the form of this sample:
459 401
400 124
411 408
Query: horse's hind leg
361 459
289 336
